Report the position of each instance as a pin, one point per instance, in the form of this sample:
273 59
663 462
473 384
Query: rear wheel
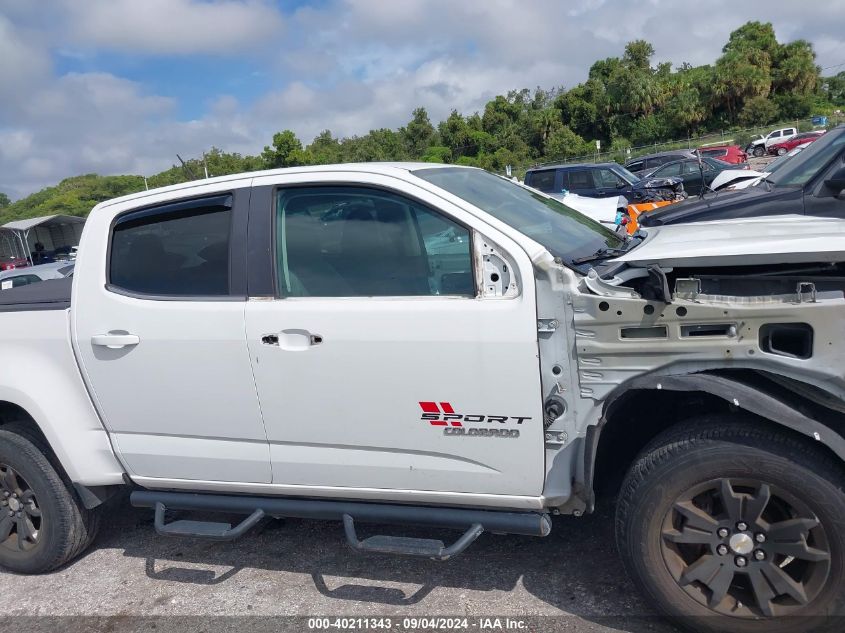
42 522
735 527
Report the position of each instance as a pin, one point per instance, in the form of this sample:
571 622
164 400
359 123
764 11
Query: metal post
26 254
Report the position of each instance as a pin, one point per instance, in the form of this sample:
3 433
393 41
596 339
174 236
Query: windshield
562 230
800 169
631 178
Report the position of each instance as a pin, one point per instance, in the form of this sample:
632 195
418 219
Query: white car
33 274
732 179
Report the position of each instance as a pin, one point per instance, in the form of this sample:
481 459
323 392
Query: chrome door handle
115 341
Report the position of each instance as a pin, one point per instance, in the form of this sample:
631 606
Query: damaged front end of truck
733 315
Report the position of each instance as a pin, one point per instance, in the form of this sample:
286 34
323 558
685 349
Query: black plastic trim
259 252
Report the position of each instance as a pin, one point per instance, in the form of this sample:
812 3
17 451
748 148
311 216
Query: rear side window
359 242
180 249
20 280
543 180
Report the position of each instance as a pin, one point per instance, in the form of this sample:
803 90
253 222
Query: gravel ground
304 568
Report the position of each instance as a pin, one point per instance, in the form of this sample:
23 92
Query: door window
543 180
691 167
637 166
607 179
359 242
672 169
581 179
173 250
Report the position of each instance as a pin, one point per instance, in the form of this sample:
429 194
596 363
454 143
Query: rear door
380 362
158 323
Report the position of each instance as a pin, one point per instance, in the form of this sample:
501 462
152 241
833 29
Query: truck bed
52 294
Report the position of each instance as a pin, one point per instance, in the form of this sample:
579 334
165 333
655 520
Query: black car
600 180
648 163
810 183
694 174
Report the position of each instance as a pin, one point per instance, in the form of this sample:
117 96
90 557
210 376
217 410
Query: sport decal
443 414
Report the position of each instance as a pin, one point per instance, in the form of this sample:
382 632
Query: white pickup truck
417 344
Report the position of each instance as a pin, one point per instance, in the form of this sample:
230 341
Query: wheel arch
647 405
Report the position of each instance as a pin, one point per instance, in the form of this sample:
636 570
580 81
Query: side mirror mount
836 182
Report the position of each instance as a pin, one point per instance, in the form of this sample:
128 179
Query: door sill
432 497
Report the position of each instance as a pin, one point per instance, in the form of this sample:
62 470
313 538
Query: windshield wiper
602 253
605 252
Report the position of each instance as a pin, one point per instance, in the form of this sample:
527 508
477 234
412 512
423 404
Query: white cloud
162 27
345 65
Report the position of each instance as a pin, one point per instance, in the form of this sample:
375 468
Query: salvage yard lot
296 567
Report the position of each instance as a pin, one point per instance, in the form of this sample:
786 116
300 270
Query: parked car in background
809 183
600 180
17 277
733 179
11 263
695 176
789 144
728 153
759 146
650 162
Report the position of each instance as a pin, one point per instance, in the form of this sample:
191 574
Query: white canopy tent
51 231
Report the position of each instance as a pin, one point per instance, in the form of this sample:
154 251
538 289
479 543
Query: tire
781 151
758 151
50 526
674 510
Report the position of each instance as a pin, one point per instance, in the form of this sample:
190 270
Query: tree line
625 102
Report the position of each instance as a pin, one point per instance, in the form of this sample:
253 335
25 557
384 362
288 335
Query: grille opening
794 340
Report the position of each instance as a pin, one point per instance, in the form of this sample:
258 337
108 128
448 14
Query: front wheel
733 526
781 151
758 151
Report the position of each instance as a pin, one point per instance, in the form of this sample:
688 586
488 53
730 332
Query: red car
791 143
726 153
11 262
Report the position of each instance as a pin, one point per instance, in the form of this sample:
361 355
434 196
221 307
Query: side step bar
205 529
427 548
472 522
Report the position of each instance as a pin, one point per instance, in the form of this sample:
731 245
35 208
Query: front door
159 329
380 365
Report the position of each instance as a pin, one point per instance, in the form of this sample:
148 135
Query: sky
122 86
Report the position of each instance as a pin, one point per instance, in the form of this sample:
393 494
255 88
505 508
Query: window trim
277 290
233 200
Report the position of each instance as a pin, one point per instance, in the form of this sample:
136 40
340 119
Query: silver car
17 277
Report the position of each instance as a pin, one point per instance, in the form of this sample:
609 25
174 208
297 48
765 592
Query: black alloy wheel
745 548
20 516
